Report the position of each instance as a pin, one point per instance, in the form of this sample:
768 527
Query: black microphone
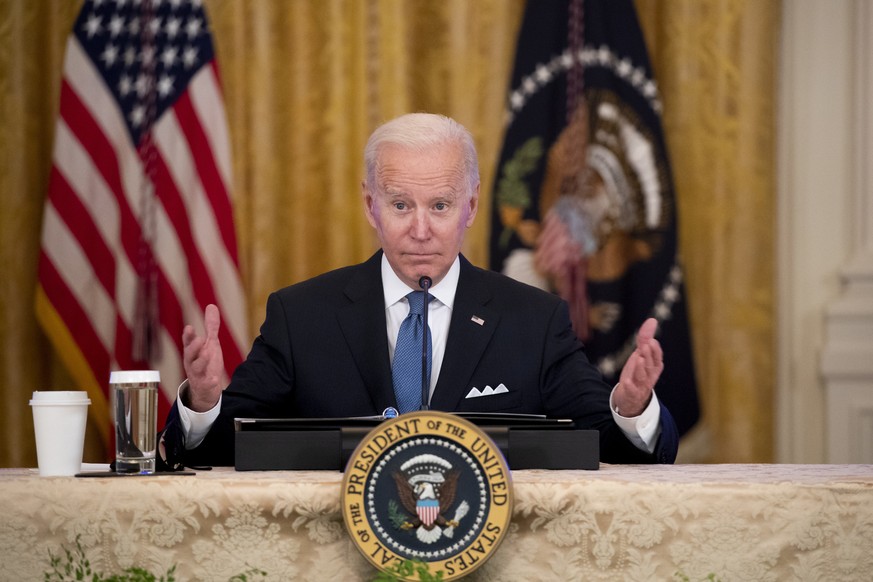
425 282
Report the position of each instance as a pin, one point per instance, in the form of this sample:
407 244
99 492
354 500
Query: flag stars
155 25
110 54
662 311
116 25
624 67
129 56
137 115
125 86
543 74
650 89
145 51
169 56
608 366
172 27
529 86
192 28
165 86
93 25
189 57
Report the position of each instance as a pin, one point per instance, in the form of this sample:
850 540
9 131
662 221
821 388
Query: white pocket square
487 391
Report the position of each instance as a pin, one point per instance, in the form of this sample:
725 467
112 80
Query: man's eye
441 206
400 205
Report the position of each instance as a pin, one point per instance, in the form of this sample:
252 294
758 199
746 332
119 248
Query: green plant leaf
75 566
512 189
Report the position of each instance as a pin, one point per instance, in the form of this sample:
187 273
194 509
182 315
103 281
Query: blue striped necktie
406 370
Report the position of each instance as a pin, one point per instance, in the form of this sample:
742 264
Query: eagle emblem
426 487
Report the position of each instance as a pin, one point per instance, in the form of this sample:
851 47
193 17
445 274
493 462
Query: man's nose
420 225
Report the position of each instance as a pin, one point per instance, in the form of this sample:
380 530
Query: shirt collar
395 289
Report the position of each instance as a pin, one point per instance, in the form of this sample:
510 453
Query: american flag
138 233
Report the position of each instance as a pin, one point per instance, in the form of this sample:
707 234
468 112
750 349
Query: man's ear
369 202
474 206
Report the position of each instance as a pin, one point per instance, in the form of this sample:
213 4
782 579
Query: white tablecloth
736 522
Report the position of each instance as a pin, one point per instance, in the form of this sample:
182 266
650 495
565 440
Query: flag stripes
135 200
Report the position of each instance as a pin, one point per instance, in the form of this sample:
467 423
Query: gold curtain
716 64
32 40
304 84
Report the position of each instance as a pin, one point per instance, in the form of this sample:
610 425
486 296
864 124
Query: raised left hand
640 373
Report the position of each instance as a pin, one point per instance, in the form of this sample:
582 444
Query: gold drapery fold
716 64
32 40
304 84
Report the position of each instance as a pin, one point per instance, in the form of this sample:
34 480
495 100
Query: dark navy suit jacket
323 352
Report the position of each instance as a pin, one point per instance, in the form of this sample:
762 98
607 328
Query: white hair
419 132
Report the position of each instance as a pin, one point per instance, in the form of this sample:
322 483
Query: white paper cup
77 396
59 420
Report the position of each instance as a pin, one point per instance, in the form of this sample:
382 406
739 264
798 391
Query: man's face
420 209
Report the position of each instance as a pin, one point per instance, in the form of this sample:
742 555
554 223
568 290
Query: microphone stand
425 283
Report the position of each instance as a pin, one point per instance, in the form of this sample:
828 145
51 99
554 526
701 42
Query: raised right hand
204 363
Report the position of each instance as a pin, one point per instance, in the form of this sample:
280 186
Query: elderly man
327 345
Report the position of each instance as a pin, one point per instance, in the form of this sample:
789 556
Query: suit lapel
467 338
363 325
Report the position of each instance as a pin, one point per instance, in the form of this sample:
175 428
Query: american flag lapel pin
478 320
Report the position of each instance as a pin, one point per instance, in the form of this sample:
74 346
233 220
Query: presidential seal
427 486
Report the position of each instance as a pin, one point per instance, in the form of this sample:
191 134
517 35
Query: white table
738 522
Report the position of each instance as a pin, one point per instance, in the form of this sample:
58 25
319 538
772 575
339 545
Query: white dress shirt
439 312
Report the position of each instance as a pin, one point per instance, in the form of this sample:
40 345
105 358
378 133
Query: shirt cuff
643 430
195 425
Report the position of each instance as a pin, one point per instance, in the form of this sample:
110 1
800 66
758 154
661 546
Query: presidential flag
138 234
584 202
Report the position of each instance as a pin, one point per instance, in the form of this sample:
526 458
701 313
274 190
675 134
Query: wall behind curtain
304 84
